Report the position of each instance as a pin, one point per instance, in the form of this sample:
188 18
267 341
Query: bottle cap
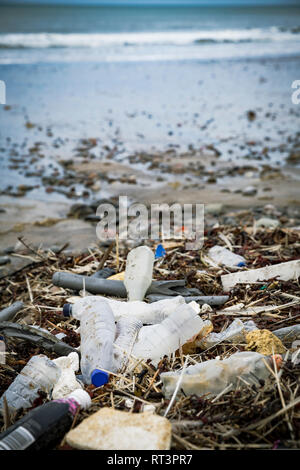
99 377
67 310
81 397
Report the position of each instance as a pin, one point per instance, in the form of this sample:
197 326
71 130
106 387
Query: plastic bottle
127 331
150 314
212 377
97 331
43 427
138 272
155 341
40 373
2 350
220 255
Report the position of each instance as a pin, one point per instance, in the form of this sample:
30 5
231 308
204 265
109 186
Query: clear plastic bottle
221 255
158 340
127 331
40 373
97 331
212 377
138 272
43 427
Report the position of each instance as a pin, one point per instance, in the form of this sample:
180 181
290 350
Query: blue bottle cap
160 251
99 377
67 310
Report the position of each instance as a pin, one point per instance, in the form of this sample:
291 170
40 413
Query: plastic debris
160 252
235 333
214 376
214 300
97 331
36 336
43 427
118 276
116 288
67 382
8 313
138 272
2 350
156 341
147 313
264 342
222 256
267 223
40 373
288 334
282 271
126 334
110 429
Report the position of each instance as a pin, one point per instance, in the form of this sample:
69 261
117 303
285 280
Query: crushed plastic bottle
221 255
149 314
155 341
97 331
138 272
40 373
127 331
213 376
43 427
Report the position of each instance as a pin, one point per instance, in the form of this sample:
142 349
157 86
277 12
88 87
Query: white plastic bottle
138 272
127 332
212 377
221 255
149 314
97 331
40 373
156 341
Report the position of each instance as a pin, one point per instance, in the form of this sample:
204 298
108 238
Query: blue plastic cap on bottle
67 310
99 377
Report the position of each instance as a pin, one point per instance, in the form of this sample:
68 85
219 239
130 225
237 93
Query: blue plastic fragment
160 251
241 263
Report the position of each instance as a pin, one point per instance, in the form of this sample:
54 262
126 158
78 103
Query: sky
154 2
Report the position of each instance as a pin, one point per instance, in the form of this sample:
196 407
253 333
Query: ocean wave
99 40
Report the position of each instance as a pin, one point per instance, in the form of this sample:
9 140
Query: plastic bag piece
214 376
